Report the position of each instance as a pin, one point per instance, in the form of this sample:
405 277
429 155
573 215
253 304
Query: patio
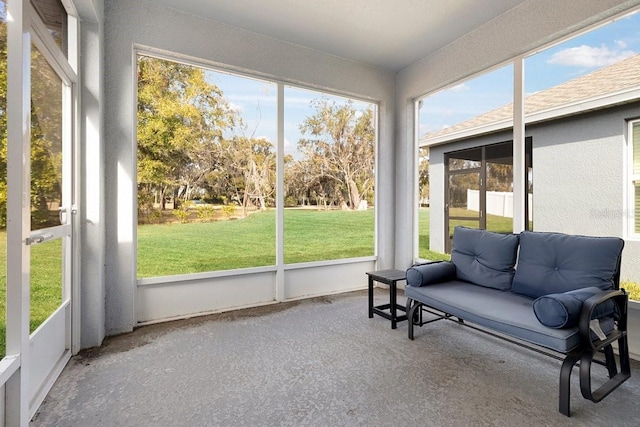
317 362
293 356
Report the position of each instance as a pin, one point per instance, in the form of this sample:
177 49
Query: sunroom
77 107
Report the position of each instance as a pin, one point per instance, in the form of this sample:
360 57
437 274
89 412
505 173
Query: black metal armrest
620 298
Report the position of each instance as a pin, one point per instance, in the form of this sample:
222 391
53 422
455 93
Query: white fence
499 203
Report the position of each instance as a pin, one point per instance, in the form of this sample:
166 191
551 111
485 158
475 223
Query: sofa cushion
554 263
504 312
428 274
562 310
484 258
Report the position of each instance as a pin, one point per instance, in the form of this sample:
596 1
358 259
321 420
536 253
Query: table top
391 274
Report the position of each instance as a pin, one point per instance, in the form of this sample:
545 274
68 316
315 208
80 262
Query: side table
391 278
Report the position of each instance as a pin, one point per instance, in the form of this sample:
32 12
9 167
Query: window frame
632 179
279 265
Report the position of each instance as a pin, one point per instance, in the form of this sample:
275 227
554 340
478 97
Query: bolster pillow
562 310
428 274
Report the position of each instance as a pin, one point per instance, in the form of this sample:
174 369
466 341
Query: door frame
482 171
21 397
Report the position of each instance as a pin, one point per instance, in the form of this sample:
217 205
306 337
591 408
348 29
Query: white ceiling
391 34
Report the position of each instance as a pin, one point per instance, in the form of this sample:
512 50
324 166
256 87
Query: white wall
128 24
92 208
532 24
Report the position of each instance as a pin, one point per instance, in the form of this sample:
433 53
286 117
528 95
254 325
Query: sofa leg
565 382
615 378
411 314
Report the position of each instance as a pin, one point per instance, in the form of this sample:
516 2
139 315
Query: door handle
62 211
39 238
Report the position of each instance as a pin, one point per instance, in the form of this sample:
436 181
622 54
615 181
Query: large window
329 177
207 148
634 143
206 170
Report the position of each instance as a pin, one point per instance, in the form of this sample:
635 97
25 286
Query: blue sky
568 60
255 100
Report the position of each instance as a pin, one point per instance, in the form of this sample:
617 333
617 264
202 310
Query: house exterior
582 135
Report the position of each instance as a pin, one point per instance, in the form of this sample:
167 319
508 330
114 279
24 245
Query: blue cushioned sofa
558 292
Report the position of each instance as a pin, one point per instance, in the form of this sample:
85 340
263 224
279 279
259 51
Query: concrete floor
319 362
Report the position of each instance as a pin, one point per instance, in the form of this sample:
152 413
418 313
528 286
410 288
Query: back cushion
553 262
484 257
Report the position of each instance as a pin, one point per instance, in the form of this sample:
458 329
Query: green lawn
310 235
46 291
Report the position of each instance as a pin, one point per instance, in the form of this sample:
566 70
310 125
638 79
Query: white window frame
279 266
632 180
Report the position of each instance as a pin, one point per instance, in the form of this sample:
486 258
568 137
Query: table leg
392 303
370 297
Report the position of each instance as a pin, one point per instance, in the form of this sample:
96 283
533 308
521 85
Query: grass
310 235
46 278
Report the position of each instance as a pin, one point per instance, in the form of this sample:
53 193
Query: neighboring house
583 149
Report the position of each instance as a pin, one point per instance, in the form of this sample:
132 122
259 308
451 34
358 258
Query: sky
570 59
255 100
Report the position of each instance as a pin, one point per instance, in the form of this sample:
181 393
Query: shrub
633 289
228 210
154 216
290 202
182 214
206 212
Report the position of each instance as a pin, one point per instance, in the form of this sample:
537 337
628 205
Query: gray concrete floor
319 362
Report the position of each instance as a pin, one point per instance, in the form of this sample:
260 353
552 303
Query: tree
181 121
340 148
246 173
46 134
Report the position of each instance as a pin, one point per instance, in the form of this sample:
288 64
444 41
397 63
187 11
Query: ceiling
390 34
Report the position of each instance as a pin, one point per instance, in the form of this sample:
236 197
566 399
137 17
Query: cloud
621 44
236 107
460 88
591 56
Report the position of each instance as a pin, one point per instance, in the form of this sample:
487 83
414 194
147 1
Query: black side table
391 278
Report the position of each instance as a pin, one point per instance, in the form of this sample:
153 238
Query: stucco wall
141 23
579 178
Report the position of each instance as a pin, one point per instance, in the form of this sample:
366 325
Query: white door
40 152
51 214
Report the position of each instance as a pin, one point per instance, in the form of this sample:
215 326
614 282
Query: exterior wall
140 23
579 178
521 30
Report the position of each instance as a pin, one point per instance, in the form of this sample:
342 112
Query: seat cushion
552 263
501 311
484 258
563 310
